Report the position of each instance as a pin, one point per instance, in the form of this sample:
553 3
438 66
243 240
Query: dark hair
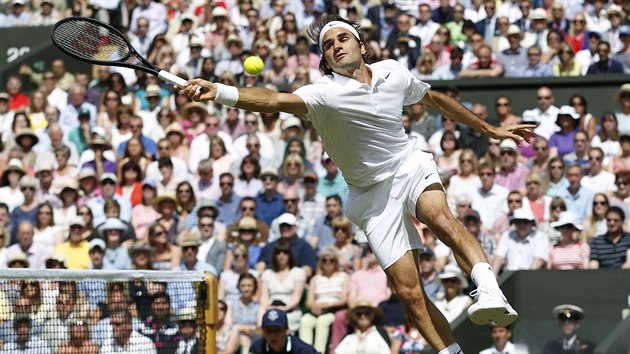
582 100
165 162
161 295
253 159
315 29
130 165
282 246
52 211
335 197
4 206
247 199
447 134
247 276
111 204
617 210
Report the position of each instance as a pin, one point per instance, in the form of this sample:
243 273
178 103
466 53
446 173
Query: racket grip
173 79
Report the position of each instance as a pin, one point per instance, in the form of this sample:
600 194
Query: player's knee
409 293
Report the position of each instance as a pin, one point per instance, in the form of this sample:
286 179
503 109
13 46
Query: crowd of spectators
115 170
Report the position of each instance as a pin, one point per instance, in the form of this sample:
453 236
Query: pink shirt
570 256
513 180
370 284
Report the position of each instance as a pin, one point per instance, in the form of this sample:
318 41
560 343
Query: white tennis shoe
491 308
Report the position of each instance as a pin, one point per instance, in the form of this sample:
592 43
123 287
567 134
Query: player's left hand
519 133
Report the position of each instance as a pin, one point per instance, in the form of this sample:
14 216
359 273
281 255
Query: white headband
330 25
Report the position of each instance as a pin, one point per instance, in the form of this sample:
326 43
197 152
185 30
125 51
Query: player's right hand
200 90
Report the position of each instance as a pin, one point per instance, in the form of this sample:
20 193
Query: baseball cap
78 221
87 172
84 112
472 214
4 96
149 182
97 242
43 166
311 175
287 218
28 181
109 176
269 171
508 144
275 318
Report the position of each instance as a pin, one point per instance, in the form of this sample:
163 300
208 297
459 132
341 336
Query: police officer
569 317
276 338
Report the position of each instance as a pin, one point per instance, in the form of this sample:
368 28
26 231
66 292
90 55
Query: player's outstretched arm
254 99
456 111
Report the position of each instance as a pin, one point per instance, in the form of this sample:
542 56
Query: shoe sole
494 316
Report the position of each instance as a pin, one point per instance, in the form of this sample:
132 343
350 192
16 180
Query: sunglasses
239 256
282 252
507 152
499 104
337 229
251 122
598 158
181 191
599 203
329 260
248 209
252 145
287 201
206 225
226 184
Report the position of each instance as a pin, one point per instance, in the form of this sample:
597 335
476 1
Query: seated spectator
116 253
349 254
36 253
570 252
510 174
57 330
577 197
535 199
595 224
226 342
228 280
566 66
608 137
580 149
79 342
366 337
276 337
472 222
246 235
24 339
143 214
467 178
611 249
484 66
141 254
561 142
68 194
514 57
621 197
159 327
605 64
621 162
454 302
534 67
187 324
452 71
523 248
166 255
501 342
212 250
556 206
408 339
328 293
75 249
125 339
282 285
245 312
598 179
190 243
248 183
27 211
555 180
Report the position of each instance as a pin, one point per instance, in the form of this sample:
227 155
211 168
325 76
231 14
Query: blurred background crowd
112 169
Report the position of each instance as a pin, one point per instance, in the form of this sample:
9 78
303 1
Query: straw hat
26 132
188 106
365 305
175 128
14 165
452 271
164 197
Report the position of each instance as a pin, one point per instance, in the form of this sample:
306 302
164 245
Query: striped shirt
329 289
570 256
608 254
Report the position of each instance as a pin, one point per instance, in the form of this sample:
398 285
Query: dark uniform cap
568 312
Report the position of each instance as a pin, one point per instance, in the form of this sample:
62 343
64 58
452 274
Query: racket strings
90 41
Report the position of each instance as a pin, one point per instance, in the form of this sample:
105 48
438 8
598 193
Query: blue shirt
17 216
540 70
229 210
97 207
267 210
608 254
303 253
337 185
579 204
117 259
149 146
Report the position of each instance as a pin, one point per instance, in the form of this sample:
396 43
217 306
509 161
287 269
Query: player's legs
404 275
491 306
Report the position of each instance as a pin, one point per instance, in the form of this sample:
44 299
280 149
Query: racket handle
173 79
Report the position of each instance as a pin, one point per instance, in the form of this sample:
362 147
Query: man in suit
605 65
569 317
211 250
488 26
383 17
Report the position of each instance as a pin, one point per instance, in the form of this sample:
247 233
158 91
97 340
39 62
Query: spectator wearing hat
231 61
617 17
332 182
248 208
605 64
538 31
68 194
269 202
623 111
141 255
190 64
561 143
276 337
570 252
68 117
190 243
28 210
18 260
514 57
523 248
10 192
454 302
612 249
108 192
569 317
97 254
46 15
166 205
248 235
472 222
510 174
36 253
88 185
99 156
27 139
623 54
152 100
75 250
19 15
116 254
366 337
187 324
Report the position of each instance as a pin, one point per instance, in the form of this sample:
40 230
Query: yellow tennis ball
253 65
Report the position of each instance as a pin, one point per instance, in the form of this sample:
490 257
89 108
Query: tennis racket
98 43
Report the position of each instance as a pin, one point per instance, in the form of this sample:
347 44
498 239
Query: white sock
482 274
452 349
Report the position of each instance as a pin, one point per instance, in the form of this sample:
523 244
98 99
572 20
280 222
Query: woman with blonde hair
279 75
293 170
166 256
555 182
221 160
228 280
35 111
595 224
556 207
348 253
425 65
570 252
108 110
566 65
466 179
535 198
328 293
608 137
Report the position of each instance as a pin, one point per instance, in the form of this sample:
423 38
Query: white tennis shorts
383 209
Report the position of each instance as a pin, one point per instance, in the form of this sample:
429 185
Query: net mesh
90 41
61 311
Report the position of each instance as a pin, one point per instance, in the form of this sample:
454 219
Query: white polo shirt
519 253
360 125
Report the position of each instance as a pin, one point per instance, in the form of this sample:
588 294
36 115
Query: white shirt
266 146
370 342
425 32
366 141
452 309
200 148
603 182
58 98
519 253
546 119
34 345
137 344
180 170
510 348
490 205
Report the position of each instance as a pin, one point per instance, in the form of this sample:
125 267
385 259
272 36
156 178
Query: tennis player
356 109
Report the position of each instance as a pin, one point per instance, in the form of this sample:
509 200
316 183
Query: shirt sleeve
415 88
315 97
